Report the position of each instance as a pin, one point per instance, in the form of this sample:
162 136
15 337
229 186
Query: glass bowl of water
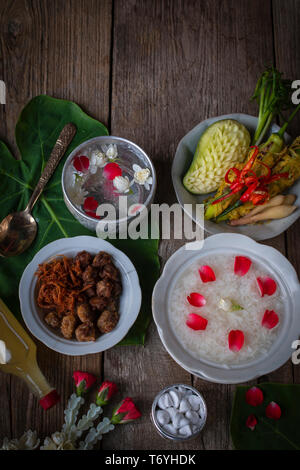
108 181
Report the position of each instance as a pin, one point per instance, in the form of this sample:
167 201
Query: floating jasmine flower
110 151
98 160
122 184
142 176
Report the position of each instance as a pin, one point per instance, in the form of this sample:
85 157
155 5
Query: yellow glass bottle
18 357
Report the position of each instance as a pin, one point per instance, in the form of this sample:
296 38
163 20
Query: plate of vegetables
244 169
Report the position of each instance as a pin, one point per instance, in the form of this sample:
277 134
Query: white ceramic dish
130 301
279 268
182 160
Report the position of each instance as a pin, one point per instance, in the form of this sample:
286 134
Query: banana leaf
269 434
36 132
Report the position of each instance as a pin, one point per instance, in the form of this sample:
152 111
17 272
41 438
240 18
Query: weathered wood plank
286 33
61 49
175 64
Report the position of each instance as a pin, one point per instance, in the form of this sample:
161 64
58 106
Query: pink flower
125 412
254 396
273 411
235 340
105 392
270 319
242 265
195 299
196 322
83 381
251 422
207 274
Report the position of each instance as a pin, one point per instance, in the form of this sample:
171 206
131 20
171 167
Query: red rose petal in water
242 265
196 322
90 204
273 411
266 285
81 164
207 274
254 396
251 422
111 170
236 340
270 319
196 300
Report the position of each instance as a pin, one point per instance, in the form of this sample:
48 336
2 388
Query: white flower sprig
28 441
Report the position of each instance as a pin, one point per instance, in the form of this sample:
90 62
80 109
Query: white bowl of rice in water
249 320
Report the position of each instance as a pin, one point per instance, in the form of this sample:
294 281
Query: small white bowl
278 267
182 160
130 300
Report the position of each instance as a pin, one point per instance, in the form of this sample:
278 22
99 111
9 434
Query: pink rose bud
83 381
105 392
125 412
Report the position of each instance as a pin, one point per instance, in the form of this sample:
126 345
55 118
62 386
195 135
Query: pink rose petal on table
270 319
236 340
207 274
196 322
195 299
254 396
266 285
242 265
111 170
273 411
81 164
251 422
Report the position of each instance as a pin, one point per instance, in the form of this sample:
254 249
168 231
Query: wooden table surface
150 70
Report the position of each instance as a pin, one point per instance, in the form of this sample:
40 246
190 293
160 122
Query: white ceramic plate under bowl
130 300
181 163
278 267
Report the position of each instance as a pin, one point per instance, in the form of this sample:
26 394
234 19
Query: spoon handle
61 145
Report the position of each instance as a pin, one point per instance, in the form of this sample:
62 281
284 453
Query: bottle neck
35 380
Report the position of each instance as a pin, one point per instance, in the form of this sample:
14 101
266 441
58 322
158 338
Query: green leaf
36 132
269 434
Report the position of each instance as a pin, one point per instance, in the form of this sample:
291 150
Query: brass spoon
18 230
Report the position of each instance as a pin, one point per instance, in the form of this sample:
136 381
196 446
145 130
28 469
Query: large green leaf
269 434
36 132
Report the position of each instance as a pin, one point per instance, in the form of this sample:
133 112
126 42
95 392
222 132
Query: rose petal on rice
196 300
242 265
251 422
207 274
273 410
270 319
236 340
254 396
266 285
196 322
